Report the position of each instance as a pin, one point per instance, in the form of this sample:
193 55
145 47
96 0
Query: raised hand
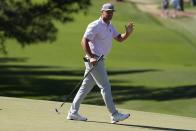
129 27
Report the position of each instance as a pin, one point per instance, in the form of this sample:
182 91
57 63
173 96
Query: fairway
153 71
30 115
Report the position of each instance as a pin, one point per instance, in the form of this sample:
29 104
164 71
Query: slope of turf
151 44
154 70
30 115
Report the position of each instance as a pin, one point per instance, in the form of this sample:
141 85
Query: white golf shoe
119 117
76 117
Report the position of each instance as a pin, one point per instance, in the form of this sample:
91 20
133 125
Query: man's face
107 14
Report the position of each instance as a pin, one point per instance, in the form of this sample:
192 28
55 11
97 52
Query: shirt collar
104 22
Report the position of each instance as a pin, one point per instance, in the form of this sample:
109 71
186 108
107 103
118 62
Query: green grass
39 115
154 70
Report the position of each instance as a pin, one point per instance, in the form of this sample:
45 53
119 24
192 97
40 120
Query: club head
57 111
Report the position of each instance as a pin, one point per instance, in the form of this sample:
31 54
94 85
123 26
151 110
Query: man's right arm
87 50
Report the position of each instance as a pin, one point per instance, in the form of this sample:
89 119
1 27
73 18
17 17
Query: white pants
97 76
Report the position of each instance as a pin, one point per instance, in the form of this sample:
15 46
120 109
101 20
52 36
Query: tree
30 23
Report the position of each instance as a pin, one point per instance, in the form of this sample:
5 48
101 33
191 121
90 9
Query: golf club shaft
78 85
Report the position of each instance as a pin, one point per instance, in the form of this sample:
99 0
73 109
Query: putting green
38 115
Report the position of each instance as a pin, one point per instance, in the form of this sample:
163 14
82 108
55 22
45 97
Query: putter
78 85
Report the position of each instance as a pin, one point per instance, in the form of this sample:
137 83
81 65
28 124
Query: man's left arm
128 31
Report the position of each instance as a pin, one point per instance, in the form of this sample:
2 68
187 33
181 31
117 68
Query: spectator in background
176 6
194 2
181 3
165 6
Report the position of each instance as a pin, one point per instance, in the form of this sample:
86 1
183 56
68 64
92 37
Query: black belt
86 59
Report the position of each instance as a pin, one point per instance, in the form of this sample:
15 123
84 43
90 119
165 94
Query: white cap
107 6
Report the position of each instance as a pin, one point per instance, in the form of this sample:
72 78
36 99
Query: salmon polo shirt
100 35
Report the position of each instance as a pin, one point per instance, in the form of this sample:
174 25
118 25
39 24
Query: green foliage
31 23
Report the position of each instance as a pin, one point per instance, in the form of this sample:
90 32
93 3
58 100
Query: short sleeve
90 31
114 33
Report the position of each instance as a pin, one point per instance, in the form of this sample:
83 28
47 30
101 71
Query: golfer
97 41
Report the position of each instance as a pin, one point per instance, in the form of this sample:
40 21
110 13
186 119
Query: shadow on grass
142 126
126 93
51 83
